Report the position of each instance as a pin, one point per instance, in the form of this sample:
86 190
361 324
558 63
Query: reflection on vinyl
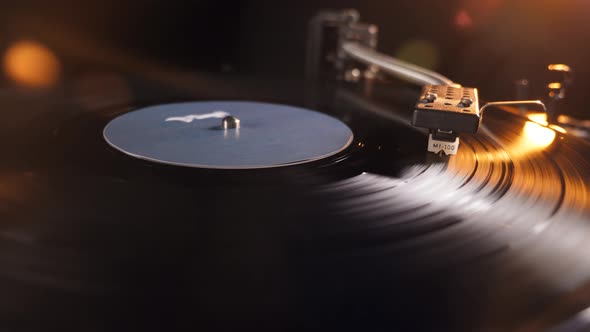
379 235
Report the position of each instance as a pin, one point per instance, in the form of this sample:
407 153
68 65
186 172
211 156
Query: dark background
485 43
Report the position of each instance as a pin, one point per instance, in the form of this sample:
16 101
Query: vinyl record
379 235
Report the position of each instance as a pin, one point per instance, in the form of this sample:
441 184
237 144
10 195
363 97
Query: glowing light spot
559 67
557 128
540 118
32 64
463 20
536 136
554 85
420 52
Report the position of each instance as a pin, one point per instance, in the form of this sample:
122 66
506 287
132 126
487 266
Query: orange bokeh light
32 64
559 67
536 136
463 19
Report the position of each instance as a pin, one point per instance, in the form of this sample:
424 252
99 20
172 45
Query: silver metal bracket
327 33
536 103
340 46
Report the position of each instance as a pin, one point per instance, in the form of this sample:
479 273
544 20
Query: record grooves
377 234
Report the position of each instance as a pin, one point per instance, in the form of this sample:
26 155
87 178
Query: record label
227 134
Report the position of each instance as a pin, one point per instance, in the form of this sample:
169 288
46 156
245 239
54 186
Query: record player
373 195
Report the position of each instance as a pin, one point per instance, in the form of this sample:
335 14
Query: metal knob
230 122
465 102
429 97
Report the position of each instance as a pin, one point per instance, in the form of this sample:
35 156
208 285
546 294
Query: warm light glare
554 85
536 136
32 64
557 128
559 67
540 118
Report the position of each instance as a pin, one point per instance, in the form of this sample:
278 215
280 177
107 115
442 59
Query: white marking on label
191 117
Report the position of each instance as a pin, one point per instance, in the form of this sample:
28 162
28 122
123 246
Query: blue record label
227 134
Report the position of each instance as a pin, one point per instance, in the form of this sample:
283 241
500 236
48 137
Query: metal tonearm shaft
395 67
